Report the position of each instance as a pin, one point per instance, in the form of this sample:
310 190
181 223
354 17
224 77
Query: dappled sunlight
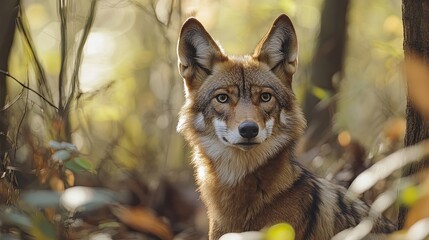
98 65
47 39
76 197
92 103
159 81
100 45
39 15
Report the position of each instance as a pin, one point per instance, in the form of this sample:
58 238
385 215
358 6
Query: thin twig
62 9
29 89
21 121
87 28
147 11
21 23
13 101
74 82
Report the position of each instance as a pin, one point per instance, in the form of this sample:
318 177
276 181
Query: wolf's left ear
279 49
197 52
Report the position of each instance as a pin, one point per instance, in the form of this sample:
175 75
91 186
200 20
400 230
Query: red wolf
243 122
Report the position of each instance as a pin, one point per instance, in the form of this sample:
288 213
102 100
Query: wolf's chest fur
242 120
282 191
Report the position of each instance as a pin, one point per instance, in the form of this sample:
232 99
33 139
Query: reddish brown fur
249 188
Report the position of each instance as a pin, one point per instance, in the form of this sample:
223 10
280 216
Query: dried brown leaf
142 219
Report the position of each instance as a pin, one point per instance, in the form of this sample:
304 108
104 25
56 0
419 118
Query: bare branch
62 9
20 123
29 89
21 24
8 105
87 28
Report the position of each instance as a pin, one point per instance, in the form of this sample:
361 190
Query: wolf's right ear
197 53
279 49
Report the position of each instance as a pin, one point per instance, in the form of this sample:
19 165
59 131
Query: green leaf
109 225
320 93
79 165
42 229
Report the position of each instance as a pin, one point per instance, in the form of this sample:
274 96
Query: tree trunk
8 14
415 16
327 63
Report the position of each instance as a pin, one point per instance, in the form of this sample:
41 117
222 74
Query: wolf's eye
265 97
222 98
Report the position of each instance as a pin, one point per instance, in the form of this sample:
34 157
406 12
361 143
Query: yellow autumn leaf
281 231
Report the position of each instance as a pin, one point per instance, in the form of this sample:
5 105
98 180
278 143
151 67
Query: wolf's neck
231 168
231 165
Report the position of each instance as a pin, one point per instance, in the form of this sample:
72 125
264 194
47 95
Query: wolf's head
239 111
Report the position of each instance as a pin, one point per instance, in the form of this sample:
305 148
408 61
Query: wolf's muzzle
248 129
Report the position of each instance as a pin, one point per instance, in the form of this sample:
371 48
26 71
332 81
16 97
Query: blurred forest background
92 93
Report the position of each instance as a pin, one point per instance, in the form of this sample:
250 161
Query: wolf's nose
248 129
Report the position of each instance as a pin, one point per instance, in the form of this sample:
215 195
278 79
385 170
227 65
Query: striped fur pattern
242 120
